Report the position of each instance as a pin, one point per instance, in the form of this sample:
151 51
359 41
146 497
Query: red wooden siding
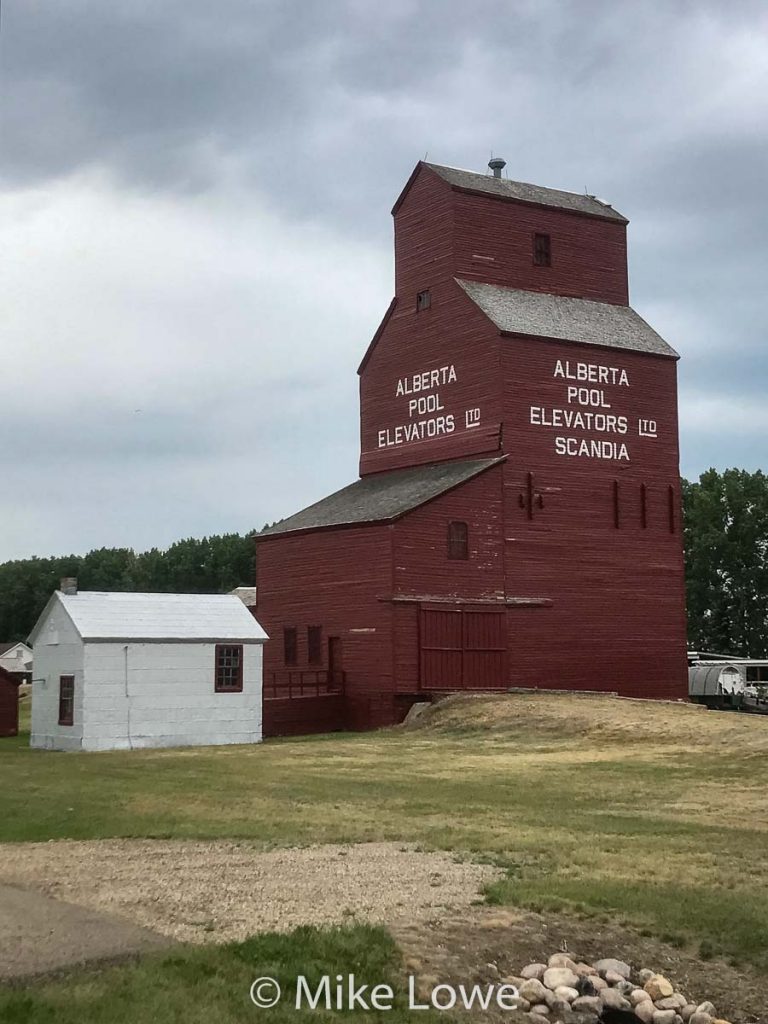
618 593
9 704
589 256
462 648
574 574
451 333
333 579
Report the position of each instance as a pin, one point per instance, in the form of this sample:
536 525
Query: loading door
462 648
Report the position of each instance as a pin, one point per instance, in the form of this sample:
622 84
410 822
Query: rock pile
564 991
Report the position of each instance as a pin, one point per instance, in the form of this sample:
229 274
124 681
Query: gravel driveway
224 890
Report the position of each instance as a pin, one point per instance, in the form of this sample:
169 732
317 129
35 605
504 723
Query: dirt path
483 943
220 891
39 935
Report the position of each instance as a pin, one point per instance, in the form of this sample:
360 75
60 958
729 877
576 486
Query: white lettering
323 992
425 380
412 1004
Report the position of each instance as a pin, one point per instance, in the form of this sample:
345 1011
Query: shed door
462 648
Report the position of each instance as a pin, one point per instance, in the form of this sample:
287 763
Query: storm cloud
197 243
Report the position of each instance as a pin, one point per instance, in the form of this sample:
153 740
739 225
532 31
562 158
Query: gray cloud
196 199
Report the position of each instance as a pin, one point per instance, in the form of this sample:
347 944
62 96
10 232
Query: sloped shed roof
382 496
543 315
134 617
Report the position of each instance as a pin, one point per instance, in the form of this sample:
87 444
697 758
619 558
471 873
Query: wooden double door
462 648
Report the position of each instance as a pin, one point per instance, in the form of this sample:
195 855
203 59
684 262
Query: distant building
517 521
16 658
119 671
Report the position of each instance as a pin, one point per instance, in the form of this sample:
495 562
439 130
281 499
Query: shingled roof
542 315
382 496
525 193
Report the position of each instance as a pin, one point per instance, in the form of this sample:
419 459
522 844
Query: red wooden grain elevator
517 517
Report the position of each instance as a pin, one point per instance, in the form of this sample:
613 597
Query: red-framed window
458 541
542 250
66 700
229 668
315 645
290 645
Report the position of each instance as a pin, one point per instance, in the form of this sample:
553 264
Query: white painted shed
116 671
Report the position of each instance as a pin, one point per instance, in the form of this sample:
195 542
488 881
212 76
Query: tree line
726 561
212 565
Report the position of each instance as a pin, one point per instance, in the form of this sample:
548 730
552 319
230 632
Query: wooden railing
303 683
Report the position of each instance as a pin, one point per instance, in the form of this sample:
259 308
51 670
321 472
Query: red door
462 648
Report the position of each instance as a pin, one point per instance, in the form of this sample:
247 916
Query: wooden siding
336 579
9 704
617 619
451 333
423 573
574 577
493 242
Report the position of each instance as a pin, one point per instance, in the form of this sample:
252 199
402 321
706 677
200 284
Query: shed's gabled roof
523 192
382 496
134 617
543 315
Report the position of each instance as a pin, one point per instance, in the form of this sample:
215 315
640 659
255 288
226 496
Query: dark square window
423 300
229 668
315 645
542 250
458 541
66 700
290 645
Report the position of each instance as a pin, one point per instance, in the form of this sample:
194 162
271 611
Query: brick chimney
68 585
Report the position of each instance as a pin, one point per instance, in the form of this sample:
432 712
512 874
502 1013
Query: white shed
119 671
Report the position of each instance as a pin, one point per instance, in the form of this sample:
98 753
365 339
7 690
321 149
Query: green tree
211 565
726 541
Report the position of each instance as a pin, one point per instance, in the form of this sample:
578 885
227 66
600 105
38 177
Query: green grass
658 818
211 984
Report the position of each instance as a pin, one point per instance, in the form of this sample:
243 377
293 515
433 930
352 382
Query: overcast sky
196 239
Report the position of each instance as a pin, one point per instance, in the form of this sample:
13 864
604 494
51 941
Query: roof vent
497 165
68 585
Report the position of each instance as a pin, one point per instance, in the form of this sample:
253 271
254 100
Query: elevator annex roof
542 315
382 496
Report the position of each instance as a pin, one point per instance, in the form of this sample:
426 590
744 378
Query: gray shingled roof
526 193
382 496
556 316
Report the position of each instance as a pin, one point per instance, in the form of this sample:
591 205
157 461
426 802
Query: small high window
542 250
66 700
423 300
458 541
290 645
671 503
229 668
315 645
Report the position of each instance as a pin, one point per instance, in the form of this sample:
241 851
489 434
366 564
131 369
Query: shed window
423 300
315 645
290 645
458 541
229 668
542 250
66 700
